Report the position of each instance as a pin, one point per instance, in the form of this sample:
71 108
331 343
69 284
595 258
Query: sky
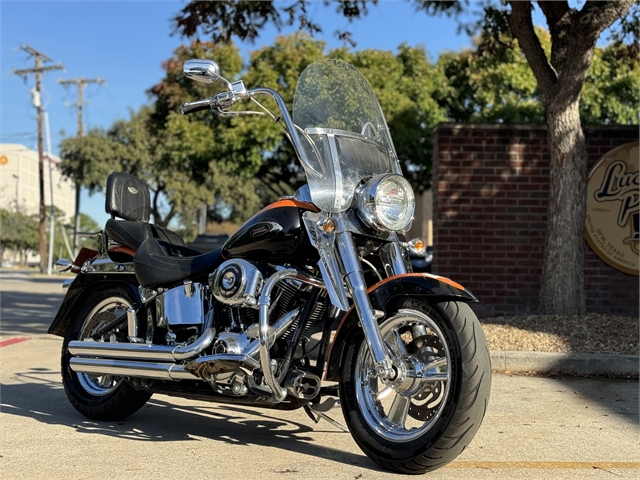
125 42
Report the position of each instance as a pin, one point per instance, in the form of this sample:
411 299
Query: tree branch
595 17
169 216
154 209
554 11
266 184
522 27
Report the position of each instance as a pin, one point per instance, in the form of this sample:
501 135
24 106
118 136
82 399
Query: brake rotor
424 405
98 321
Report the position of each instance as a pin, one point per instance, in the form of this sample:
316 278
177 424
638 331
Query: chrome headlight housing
386 202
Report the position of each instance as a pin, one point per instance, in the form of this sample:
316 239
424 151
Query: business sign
613 228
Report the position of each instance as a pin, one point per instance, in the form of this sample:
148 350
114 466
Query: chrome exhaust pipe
140 351
159 371
124 368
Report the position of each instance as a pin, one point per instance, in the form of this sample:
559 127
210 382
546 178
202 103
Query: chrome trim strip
335 157
345 133
329 268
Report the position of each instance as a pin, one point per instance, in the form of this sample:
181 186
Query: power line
39 58
80 83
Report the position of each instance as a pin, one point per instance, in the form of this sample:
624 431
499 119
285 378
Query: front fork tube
368 316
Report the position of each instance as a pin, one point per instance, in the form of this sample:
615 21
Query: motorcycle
311 304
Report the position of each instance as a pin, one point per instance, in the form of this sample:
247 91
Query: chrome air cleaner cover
237 282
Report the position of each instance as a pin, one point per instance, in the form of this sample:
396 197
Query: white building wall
19 182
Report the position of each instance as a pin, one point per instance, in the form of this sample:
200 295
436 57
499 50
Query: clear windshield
343 132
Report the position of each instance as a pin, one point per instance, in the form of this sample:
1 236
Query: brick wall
491 187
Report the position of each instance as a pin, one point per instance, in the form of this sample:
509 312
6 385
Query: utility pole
80 83
38 70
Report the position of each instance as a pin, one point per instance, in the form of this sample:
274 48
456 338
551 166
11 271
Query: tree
19 232
254 146
133 146
559 76
497 85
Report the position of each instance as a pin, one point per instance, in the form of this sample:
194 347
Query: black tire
444 430
105 398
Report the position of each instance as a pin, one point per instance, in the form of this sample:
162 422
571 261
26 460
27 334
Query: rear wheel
430 412
105 397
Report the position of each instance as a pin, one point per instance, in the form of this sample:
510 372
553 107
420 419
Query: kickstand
319 410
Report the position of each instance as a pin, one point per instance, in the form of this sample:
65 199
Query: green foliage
612 89
489 85
19 232
236 165
255 146
89 159
497 85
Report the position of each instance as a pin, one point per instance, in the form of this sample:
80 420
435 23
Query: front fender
384 296
84 285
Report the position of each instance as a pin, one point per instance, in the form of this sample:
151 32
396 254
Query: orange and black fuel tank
274 234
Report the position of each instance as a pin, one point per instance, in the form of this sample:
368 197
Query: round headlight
386 202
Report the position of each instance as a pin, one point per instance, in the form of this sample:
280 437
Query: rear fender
84 285
385 296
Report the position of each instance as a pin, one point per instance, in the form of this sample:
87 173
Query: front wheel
104 397
426 416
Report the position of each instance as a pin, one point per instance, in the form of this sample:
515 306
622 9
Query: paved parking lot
536 427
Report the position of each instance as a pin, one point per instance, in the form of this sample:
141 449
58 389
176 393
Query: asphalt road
535 427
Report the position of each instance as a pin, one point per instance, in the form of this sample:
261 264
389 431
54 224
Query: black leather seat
128 198
161 264
132 234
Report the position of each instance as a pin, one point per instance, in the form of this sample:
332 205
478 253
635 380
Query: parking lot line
546 465
12 341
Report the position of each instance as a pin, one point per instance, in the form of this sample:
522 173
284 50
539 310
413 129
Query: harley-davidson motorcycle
310 304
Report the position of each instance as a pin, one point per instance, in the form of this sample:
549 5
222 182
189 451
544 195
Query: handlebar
195 106
223 101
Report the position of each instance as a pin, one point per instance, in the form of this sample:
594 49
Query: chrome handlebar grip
191 107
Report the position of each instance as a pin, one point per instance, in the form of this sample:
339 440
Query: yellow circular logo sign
613 207
3 160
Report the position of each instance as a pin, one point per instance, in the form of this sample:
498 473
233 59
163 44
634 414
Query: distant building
19 185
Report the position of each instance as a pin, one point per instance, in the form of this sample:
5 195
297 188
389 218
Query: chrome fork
354 277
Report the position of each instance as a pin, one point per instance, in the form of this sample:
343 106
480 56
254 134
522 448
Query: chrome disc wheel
406 407
101 316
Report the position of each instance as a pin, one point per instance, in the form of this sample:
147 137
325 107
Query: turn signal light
417 246
328 225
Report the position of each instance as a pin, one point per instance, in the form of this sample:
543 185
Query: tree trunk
560 78
562 282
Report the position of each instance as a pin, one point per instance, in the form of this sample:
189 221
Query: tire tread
471 404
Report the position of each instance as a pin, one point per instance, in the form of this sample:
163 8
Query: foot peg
317 411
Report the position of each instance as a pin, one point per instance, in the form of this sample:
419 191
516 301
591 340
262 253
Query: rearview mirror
204 71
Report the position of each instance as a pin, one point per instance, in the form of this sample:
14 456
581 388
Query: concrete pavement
535 427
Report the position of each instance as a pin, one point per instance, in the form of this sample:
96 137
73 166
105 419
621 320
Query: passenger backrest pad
127 197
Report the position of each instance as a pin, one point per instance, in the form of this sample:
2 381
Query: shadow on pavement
28 313
42 398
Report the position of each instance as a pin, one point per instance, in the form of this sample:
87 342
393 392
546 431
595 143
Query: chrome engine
217 342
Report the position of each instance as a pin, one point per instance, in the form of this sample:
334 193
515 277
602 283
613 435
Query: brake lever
239 113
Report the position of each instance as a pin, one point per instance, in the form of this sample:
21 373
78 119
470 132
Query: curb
565 363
